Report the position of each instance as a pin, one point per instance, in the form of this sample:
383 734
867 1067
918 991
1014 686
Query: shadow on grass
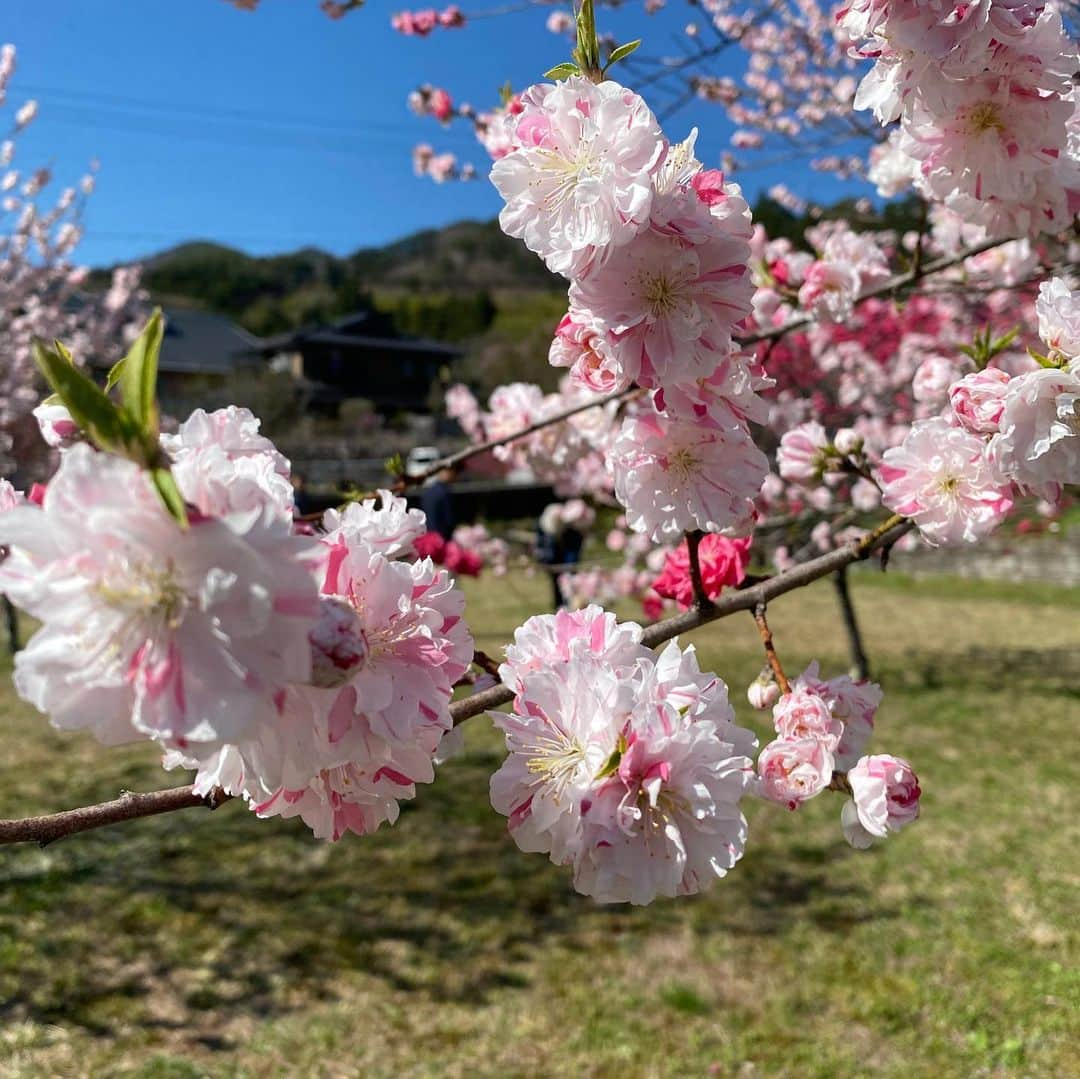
189 922
1055 670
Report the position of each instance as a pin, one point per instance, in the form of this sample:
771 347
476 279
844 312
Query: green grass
216 944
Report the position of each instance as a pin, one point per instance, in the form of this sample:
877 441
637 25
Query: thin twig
464 455
770 649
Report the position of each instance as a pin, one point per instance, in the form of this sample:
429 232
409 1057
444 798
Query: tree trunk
859 662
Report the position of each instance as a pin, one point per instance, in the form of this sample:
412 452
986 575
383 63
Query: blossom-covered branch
47 829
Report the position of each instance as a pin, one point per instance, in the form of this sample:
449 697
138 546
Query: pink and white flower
802 456
670 300
549 639
941 477
673 476
978 400
802 714
187 636
791 772
390 528
580 177
885 798
1058 310
1038 440
57 427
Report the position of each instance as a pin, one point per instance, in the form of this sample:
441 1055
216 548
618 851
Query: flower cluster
310 676
984 96
624 765
657 252
40 286
1001 436
822 727
421 23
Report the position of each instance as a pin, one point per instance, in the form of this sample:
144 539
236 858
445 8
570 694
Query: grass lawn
217 944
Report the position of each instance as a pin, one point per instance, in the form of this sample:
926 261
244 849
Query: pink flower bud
792 772
763 691
885 797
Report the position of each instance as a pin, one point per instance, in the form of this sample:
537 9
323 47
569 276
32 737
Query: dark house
200 353
361 355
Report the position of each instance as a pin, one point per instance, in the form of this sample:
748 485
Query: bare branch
129 806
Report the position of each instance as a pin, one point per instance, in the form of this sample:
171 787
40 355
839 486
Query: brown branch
128 806
742 599
464 455
770 649
693 542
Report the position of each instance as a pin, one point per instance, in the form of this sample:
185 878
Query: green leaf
395 465
101 421
562 71
1046 361
115 373
138 377
622 52
165 485
506 93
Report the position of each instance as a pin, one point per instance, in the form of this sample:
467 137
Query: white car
420 460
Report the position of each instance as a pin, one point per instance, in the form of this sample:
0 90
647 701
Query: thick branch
693 542
130 806
743 599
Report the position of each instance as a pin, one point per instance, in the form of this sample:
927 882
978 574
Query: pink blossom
586 348
389 526
1058 310
580 176
885 798
673 476
601 755
829 291
1038 440
933 378
723 563
182 635
223 465
547 639
791 772
940 476
57 427
441 106
802 455
763 692
802 714
670 298
978 400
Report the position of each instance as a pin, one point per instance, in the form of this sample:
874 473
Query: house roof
203 343
347 331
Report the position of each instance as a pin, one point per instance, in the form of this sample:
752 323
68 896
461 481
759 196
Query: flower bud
338 645
763 692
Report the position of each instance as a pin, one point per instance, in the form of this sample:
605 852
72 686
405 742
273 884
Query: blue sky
280 128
